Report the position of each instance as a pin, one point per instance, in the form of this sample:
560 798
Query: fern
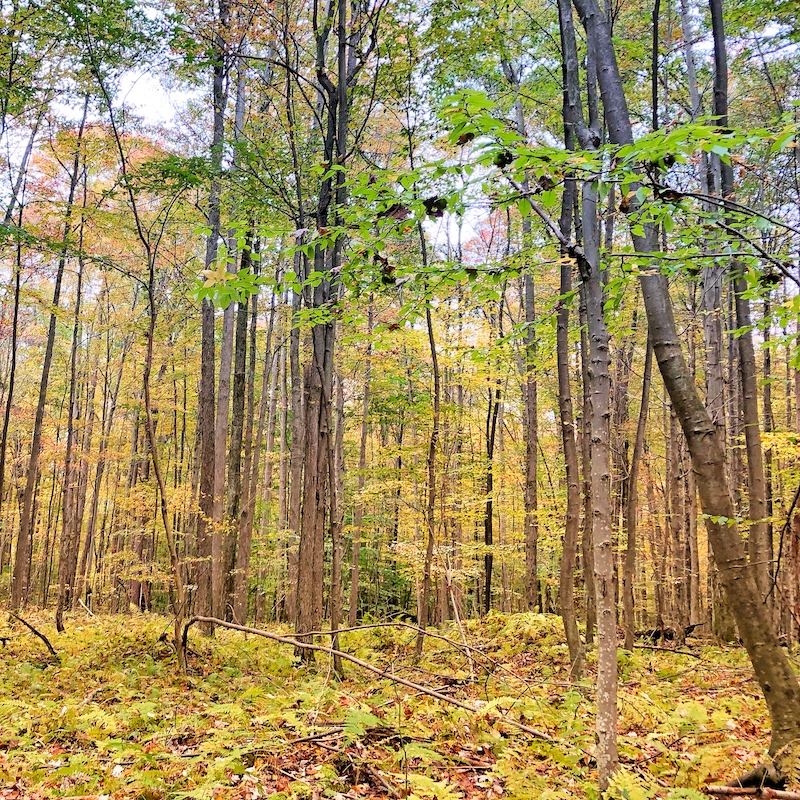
356 722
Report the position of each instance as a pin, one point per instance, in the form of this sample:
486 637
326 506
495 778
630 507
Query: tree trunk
531 452
12 376
70 531
572 518
296 460
206 400
773 671
283 483
599 388
337 538
769 427
492 411
430 504
358 511
241 579
585 441
632 509
22 563
220 528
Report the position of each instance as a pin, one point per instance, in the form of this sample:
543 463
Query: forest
400 398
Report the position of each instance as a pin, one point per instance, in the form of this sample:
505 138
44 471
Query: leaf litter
115 719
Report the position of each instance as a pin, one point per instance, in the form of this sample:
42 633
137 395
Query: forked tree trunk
599 403
773 671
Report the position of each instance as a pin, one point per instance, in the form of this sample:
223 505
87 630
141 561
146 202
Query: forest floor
115 718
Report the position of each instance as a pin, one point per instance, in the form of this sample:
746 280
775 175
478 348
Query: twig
449 578
359 663
33 630
427 632
754 791
315 736
666 650
379 777
287 774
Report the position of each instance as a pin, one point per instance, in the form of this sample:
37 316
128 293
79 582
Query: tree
772 669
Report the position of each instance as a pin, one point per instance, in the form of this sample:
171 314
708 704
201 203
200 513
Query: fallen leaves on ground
115 720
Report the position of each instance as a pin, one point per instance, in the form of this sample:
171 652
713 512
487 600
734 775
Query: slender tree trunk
585 442
430 505
70 531
758 546
358 511
337 536
12 374
757 543
220 527
283 483
296 461
234 481
530 393
241 579
531 451
572 518
179 597
22 563
492 411
600 389
632 509
769 427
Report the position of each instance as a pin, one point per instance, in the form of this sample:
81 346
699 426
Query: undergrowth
116 719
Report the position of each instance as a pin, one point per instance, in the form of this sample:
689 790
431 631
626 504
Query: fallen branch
33 630
86 608
666 650
378 775
288 640
464 646
751 791
315 736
